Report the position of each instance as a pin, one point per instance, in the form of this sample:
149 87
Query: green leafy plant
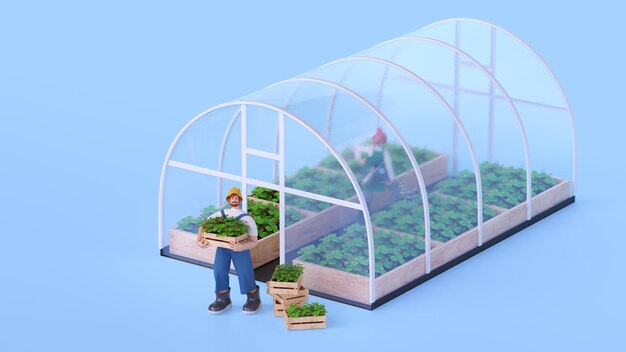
224 227
401 161
316 181
449 216
331 162
265 194
502 186
349 250
287 273
191 223
292 216
313 309
266 217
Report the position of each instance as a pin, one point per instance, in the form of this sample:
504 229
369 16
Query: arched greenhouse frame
479 144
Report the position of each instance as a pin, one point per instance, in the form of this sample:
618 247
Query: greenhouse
381 170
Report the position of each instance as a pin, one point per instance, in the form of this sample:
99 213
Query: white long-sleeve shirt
235 212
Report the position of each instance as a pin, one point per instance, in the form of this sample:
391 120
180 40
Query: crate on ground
305 316
286 280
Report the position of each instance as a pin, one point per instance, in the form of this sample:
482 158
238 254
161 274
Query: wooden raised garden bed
549 191
183 243
355 287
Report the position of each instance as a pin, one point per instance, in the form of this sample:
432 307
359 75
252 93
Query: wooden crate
282 301
285 288
222 241
304 323
279 308
286 300
183 243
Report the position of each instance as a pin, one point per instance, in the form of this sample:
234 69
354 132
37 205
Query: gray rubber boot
253 304
222 303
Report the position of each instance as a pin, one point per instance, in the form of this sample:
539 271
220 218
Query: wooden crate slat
286 288
301 297
304 323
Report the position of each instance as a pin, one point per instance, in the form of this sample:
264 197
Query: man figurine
240 255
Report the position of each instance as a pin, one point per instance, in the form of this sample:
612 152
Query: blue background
91 96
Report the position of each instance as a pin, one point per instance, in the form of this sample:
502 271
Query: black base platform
264 273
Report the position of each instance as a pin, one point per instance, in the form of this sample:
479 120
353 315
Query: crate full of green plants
223 231
286 280
305 316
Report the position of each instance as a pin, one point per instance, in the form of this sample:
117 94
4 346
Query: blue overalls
243 266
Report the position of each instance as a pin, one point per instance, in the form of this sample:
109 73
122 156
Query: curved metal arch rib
458 122
506 96
406 147
344 165
544 64
220 162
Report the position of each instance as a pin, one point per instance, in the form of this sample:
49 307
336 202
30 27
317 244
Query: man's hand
242 246
203 242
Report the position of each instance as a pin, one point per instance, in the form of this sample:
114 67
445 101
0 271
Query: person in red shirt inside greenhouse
375 158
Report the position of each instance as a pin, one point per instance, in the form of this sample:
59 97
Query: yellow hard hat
234 190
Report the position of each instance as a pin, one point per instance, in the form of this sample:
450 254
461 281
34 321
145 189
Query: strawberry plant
399 159
265 194
316 181
292 216
331 162
306 310
449 216
503 186
224 227
349 251
191 223
287 273
266 217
